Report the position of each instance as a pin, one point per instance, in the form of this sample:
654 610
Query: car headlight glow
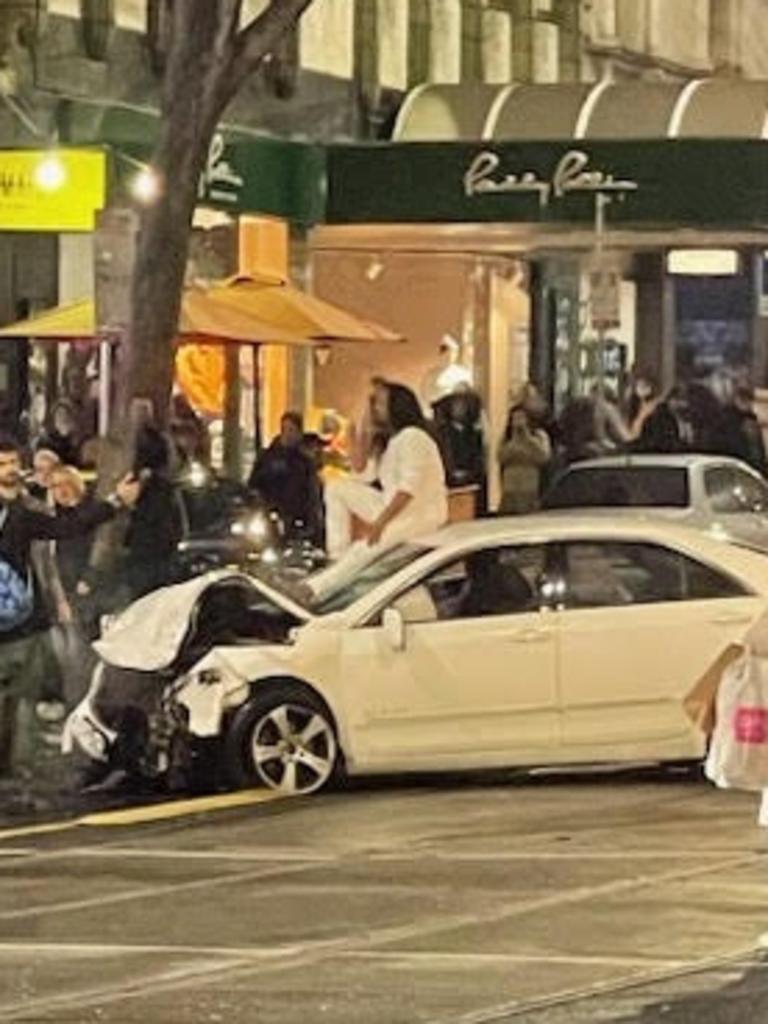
258 528
197 475
270 557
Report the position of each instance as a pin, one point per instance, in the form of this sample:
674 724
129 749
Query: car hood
148 635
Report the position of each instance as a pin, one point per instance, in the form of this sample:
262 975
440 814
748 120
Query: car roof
568 526
631 461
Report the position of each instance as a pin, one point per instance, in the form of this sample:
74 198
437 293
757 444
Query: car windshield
366 579
619 487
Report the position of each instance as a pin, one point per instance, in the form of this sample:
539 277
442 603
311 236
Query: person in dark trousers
286 477
742 435
24 621
156 523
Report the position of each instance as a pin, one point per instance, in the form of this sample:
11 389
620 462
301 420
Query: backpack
17 597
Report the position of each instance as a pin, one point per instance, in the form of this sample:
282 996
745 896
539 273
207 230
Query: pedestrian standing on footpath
24 620
524 453
410 497
286 477
156 523
742 435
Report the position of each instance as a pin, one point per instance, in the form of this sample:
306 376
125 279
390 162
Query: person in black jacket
24 650
460 434
156 526
286 477
742 435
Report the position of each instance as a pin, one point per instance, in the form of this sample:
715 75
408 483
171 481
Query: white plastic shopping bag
738 753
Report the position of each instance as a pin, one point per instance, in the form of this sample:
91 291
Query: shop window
445 41
98 23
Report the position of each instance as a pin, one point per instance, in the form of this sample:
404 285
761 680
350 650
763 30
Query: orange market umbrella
292 310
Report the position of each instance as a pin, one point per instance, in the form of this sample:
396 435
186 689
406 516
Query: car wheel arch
290 688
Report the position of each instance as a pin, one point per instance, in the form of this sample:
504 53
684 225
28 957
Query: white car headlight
257 528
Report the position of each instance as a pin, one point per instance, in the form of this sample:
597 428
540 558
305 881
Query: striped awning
703 108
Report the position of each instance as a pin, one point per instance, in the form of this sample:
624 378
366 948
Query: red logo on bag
751 725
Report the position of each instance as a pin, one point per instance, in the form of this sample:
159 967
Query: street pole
601 201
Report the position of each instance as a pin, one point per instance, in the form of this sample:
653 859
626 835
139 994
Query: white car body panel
554 686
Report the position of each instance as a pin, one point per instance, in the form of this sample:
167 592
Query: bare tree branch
231 11
257 39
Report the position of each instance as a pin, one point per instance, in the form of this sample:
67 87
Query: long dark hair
404 409
519 407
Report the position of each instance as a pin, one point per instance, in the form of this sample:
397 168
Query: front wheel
284 739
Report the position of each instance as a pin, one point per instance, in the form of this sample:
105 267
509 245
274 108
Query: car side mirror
394 628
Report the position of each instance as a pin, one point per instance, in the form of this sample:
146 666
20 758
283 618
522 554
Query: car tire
284 738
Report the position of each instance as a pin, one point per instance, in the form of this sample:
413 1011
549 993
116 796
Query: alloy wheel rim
293 749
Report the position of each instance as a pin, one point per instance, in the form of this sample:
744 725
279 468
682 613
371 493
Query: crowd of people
387 482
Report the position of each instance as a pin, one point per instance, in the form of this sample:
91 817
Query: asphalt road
580 900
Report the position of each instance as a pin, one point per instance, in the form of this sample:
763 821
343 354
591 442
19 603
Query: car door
475 683
738 502
640 624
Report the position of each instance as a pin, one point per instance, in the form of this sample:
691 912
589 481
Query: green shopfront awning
246 172
707 183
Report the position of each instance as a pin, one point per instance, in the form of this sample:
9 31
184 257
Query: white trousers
343 500
347 498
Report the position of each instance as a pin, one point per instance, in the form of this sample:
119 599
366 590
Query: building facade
88 71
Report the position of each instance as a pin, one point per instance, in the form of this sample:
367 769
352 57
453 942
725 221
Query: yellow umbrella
199 321
289 309
246 310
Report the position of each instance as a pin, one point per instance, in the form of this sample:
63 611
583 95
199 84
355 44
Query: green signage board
693 182
244 173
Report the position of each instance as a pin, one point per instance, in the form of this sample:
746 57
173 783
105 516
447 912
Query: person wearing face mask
24 621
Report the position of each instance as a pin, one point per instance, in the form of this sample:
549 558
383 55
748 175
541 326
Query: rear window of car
620 487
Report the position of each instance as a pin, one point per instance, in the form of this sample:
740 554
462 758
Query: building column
655 351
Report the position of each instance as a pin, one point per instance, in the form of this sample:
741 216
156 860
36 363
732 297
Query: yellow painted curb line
147 813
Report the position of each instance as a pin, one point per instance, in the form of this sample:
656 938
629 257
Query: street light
146 186
51 174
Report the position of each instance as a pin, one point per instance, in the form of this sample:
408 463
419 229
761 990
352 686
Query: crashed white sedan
509 642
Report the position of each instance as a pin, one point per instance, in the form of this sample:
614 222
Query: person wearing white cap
448 376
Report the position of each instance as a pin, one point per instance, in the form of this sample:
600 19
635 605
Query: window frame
553 556
745 589
736 472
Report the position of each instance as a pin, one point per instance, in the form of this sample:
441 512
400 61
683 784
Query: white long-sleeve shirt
412 463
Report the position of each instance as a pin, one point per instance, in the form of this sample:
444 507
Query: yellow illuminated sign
55 190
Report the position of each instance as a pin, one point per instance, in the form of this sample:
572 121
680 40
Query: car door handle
531 636
730 620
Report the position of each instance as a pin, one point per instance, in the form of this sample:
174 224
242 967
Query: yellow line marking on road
180 808
147 813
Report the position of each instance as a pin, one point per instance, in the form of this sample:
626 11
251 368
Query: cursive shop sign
485 176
